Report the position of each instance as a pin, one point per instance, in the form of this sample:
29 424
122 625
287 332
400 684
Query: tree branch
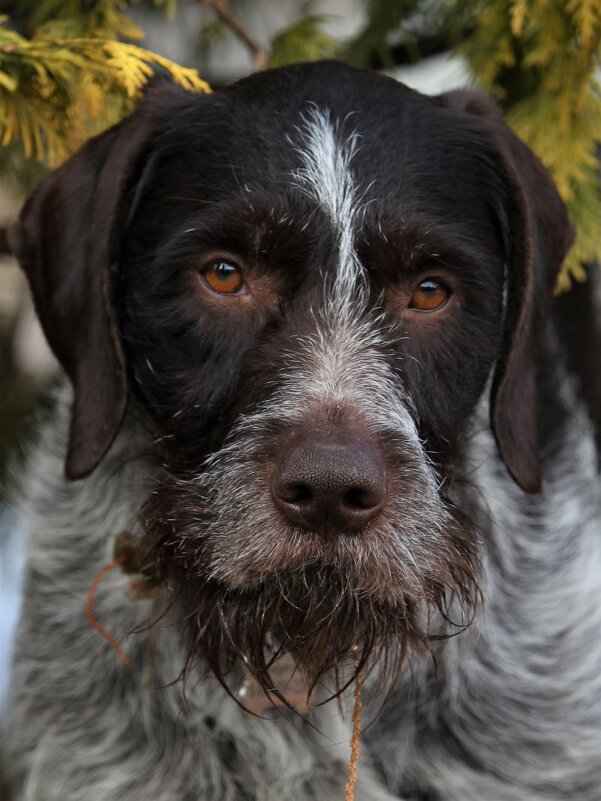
4 246
227 16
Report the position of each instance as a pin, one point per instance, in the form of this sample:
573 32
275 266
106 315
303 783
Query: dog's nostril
295 493
361 498
331 484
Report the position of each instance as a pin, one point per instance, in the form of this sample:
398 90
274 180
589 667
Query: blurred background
69 68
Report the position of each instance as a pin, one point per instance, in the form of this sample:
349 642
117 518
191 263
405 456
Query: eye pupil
429 295
223 277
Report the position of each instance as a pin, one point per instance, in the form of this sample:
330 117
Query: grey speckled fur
514 713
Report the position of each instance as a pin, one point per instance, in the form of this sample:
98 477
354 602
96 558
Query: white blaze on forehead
327 178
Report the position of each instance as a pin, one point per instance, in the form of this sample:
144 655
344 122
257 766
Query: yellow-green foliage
382 18
539 57
84 19
56 90
304 40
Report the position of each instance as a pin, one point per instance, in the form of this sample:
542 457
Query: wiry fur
505 709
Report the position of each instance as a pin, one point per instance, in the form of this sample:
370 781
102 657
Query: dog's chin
314 615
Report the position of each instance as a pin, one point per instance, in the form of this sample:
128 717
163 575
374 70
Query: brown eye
429 295
223 277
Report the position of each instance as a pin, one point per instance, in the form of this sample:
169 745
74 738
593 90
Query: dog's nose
330 485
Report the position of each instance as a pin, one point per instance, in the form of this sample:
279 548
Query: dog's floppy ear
537 235
67 240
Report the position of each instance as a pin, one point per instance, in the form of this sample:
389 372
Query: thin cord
349 791
102 573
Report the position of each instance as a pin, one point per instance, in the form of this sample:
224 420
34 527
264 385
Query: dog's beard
312 615
253 590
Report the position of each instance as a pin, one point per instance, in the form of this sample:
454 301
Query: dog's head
306 280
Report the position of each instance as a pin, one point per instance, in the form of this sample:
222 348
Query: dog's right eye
223 277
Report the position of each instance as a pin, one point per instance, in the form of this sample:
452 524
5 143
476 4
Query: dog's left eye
429 295
223 277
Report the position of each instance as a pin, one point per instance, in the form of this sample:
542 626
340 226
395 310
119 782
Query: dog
323 410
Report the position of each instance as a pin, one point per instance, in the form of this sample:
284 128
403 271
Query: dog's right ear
68 240
534 223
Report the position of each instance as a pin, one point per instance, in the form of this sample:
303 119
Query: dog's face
308 280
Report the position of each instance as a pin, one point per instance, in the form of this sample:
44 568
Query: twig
226 15
349 791
5 248
104 571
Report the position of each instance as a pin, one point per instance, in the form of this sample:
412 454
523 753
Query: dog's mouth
301 562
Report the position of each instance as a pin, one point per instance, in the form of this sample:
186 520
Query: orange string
349 791
102 573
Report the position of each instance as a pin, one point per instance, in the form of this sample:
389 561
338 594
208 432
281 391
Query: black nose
330 484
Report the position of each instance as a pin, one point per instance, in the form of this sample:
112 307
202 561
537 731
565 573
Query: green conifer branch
56 92
542 61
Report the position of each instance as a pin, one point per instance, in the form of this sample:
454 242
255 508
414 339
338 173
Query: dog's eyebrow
285 229
414 244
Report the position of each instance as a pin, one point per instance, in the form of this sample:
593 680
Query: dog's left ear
68 240
537 233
